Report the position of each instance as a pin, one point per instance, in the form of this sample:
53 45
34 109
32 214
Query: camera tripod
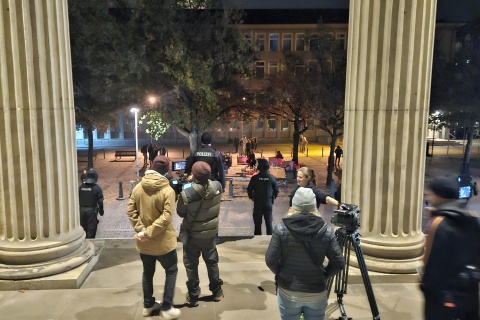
347 239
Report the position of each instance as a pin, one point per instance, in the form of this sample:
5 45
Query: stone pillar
40 234
390 50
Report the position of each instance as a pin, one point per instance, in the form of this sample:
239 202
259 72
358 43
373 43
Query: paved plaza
113 289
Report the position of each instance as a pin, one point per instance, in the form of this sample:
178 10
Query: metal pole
136 143
120 191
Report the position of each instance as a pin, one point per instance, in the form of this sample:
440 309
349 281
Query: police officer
91 203
209 155
262 189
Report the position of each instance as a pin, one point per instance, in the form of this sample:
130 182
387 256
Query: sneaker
148 311
192 301
172 313
218 295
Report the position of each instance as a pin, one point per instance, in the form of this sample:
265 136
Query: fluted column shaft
390 51
39 221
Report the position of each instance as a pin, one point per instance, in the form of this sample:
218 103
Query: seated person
279 155
251 161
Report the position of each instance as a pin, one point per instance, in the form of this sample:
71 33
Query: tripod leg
366 279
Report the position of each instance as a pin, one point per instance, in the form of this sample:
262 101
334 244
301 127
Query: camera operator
296 254
452 255
209 155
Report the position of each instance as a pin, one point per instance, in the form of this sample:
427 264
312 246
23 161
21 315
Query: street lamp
135 110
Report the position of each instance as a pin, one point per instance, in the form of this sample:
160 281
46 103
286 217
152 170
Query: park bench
83 155
125 153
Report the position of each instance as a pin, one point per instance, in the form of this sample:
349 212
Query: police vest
87 196
208 155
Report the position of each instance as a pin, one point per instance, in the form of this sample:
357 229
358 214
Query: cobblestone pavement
236 212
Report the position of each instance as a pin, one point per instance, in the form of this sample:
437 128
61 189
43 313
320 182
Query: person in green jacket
199 206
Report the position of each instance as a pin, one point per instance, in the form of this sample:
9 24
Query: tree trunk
192 139
90 147
465 169
331 160
296 135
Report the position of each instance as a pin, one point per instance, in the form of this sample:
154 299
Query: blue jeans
191 254
169 263
290 310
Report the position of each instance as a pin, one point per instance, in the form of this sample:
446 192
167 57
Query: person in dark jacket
91 202
262 189
452 255
199 206
296 254
306 178
209 155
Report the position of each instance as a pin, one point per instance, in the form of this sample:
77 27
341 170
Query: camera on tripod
347 217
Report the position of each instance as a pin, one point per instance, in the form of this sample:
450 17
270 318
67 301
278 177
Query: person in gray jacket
296 254
199 205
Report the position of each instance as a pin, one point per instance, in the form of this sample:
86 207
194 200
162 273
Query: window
273 41
285 125
273 68
260 41
259 124
272 124
300 42
260 69
340 41
287 42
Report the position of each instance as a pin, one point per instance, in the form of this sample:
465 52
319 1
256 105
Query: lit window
287 42
285 125
273 41
259 124
272 124
260 41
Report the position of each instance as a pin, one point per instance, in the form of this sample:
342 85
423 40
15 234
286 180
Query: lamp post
135 110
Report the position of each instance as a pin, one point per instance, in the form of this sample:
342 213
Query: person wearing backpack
452 255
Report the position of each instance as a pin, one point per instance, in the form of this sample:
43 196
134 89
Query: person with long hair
306 177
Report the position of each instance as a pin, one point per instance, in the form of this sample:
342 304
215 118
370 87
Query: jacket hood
154 181
453 211
305 225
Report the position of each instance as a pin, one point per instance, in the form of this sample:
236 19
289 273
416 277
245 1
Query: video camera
177 184
466 188
347 217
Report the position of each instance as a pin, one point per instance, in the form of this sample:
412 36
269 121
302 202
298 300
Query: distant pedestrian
144 151
150 210
91 203
162 151
152 153
199 206
452 255
236 143
338 154
262 190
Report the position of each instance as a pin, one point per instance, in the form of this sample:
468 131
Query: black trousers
88 221
262 211
466 305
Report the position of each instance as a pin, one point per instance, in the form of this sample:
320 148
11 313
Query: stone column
40 234
390 50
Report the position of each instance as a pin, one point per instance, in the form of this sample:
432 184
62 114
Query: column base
393 266
48 268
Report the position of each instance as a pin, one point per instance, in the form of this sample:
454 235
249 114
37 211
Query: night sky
447 10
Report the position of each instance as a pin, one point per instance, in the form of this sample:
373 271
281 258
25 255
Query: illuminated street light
152 100
135 110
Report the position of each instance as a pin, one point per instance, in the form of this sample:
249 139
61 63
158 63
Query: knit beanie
161 164
445 187
263 165
304 200
206 138
201 172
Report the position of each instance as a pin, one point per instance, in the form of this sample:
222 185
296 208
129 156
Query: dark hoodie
289 260
456 243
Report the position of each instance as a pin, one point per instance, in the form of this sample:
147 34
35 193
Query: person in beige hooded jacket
150 210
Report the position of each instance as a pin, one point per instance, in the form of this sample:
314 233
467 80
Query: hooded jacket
456 243
200 218
150 210
289 260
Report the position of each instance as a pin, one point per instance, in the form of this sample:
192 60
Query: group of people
153 150
247 145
